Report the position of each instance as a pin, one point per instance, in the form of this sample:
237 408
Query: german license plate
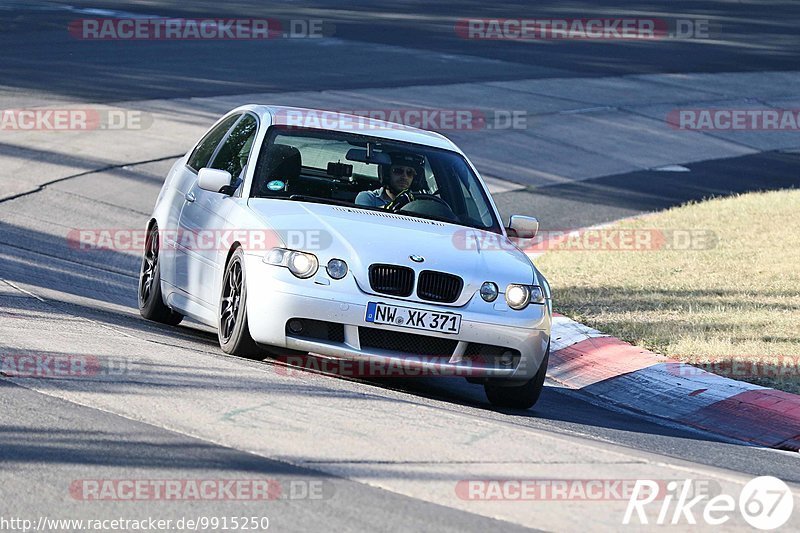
407 317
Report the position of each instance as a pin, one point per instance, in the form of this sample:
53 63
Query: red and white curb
617 372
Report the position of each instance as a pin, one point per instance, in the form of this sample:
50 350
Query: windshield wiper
319 200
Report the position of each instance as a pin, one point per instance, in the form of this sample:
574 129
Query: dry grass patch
734 298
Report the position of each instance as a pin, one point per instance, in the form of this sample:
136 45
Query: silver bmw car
302 231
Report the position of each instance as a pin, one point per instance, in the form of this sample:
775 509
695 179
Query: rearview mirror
522 227
375 158
212 179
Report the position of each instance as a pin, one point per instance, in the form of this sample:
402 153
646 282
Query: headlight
519 296
337 269
537 295
276 256
489 291
301 264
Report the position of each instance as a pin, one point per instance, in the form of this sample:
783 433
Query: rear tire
151 302
233 329
523 396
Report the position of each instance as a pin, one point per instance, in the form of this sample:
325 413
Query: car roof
348 123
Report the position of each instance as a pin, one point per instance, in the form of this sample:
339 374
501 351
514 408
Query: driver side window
234 153
206 147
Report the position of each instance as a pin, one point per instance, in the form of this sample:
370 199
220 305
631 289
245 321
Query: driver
406 173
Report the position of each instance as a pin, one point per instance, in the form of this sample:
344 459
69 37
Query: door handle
190 196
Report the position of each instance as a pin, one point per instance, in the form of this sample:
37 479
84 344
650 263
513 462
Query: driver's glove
400 200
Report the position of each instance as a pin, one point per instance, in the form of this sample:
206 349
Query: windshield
371 173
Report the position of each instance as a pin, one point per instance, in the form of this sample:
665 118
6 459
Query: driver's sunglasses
408 171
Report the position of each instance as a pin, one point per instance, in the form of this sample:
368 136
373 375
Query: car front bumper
275 297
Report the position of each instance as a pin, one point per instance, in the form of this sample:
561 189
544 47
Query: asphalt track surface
57 300
383 45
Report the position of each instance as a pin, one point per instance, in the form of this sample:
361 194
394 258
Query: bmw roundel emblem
416 258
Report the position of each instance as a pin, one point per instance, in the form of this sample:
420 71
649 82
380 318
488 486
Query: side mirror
212 179
523 227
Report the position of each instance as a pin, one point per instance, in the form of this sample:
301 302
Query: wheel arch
235 246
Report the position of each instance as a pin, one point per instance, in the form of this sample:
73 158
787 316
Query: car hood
362 237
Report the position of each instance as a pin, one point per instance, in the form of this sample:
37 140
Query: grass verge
715 283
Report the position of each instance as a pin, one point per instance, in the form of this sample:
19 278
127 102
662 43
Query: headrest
282 163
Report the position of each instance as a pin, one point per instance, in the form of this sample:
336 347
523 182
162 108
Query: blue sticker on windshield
275 185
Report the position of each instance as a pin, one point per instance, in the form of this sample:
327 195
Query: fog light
296 326
337 269
518 296
489 291
507 359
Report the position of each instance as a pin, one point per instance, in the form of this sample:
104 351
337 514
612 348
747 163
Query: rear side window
234 152
205 148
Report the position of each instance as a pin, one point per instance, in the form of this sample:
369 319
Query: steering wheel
420 196
433 198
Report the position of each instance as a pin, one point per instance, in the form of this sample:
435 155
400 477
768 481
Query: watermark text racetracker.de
407 366
742 367
581 29
543 489
67 366
205 240
591 240
734 119
211 29
74 119
435 119
192 489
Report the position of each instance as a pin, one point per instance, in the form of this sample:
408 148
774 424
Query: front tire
523 396
151 302
233 330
